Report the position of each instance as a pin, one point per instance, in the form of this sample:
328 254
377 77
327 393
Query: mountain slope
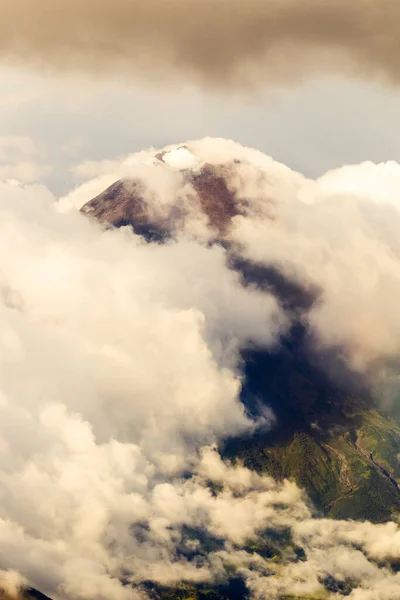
329 436
312 413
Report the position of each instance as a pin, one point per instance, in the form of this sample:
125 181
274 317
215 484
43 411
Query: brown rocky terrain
124 204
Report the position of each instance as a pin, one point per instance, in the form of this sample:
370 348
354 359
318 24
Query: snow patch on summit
181 158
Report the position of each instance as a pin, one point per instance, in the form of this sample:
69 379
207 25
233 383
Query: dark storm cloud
214 42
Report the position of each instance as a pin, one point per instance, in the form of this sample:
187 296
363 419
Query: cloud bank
337 234
120 372
215 42
21 160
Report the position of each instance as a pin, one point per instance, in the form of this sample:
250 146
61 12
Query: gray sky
313 127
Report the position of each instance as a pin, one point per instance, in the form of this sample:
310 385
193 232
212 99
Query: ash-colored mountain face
200 197
124 204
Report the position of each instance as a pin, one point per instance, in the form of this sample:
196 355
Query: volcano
330 435
213 413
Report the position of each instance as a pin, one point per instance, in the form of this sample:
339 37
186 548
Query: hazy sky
314 83
49 124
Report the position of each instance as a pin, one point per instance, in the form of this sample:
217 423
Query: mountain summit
174 189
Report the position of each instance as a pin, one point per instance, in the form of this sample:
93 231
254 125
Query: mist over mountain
199 352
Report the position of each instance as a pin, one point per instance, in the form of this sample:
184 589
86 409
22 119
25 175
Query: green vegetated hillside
190 592
340 448
234 590
347 475
330 435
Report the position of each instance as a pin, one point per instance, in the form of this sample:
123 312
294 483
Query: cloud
216 43
19 144
347 247
25 171
337 234
11 582
19 156
120 361
120 372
